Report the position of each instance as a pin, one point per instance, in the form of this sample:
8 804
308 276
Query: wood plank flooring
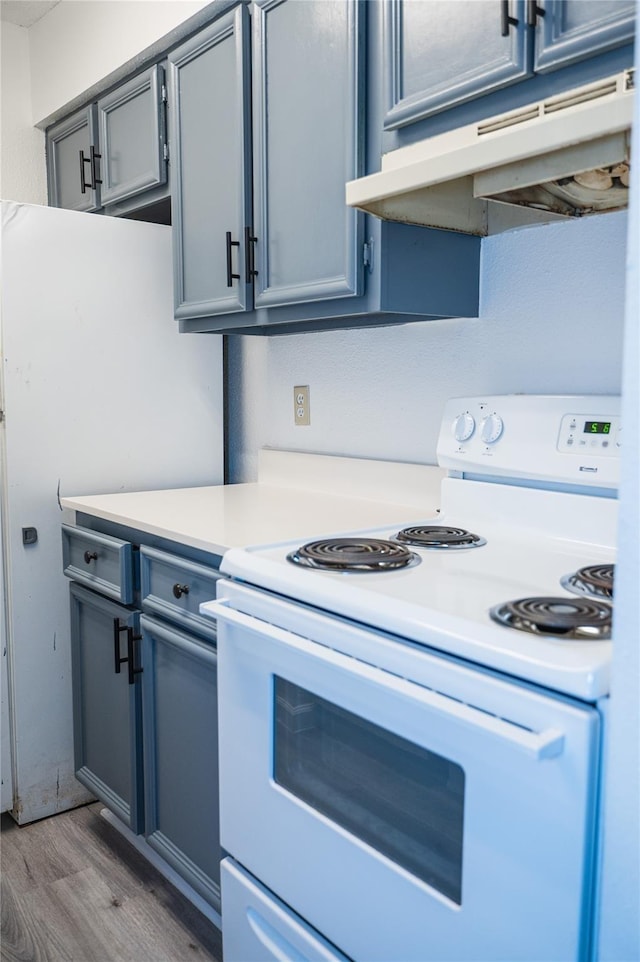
74 890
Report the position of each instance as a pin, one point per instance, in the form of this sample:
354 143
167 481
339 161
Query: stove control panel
561 439
599 434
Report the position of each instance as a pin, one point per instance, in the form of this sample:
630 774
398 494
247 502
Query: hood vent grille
564 156
554 104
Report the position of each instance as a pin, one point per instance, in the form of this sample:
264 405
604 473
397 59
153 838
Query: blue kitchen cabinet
263 240
107 706
145 690
308 60
439 54
72 162
209 90
445 65
259 215
112 155
180 717
132 137
180 725
571 30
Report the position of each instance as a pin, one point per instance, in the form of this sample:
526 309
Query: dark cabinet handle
117 628
180 590
230 274
90 556
131 639
84 160
249 255
506 19
95 157
533 12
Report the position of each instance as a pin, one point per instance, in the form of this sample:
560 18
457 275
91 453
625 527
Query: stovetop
534 534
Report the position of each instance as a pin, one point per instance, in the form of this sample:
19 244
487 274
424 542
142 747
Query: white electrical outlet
301 411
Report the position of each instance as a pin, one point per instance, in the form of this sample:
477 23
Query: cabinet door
180 707
209 91
571 30
131 127
307 100
73 178
107 704
440 54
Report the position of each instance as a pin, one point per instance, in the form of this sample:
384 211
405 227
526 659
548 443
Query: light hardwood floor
74 890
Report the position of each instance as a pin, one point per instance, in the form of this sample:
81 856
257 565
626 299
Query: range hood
565 156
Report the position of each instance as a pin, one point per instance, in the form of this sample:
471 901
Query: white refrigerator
100 393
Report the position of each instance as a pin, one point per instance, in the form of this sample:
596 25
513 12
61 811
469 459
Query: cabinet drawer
174 589
99 561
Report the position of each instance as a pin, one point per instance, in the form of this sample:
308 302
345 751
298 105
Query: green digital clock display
597 427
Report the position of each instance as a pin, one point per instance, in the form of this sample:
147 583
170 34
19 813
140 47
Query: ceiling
23 13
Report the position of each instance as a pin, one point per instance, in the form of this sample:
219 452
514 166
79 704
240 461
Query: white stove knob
491 428
464 426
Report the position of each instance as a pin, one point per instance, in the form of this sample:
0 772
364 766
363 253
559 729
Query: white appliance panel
102 394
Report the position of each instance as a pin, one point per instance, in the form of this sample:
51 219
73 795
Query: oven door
450 816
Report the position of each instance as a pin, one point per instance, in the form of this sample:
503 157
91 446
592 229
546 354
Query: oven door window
401 799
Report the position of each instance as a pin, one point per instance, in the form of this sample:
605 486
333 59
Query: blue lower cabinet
145 700
180 723
107 703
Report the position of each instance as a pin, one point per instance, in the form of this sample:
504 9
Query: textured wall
77 44
22 147
552 313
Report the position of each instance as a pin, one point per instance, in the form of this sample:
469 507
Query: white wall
77 44
22 147
551 320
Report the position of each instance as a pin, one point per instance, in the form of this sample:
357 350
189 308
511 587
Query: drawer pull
533 12
117 628
83 183
90 556
131 639
230 275
180 590
95 156
507 20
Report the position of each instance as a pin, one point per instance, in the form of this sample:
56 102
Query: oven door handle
538 745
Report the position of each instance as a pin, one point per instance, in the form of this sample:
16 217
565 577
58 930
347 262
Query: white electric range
410 751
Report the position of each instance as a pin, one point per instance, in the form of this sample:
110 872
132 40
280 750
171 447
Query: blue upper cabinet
72 162
264 240
262 223
571 30
448 63
132 137
307 138
111 156
210 143
440 54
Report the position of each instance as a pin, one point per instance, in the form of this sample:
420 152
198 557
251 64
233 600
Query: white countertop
296 496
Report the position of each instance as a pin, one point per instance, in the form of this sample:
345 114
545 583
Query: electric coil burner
438 536
353 554
568 618
594 581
